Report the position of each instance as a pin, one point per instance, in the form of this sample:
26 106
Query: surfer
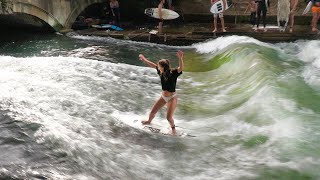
262 7
168 96
253 11
293 7
315 15
215 18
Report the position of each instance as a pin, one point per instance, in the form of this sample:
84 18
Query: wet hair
165 63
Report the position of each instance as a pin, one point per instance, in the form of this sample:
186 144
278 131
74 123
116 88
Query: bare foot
174 132
224 30
215 30
315 30
145 122
291 30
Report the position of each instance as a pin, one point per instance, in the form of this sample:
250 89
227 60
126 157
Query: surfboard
218 7
158 129
308 8
268 27
108 26
167 14
283 14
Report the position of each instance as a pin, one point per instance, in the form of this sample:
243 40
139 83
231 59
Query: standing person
115 9
160 6
293 7
215 18
315 15
253 11
168 96
262 7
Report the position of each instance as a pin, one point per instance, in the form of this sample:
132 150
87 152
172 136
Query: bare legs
291 21
171 106
314 22
160 28
215 24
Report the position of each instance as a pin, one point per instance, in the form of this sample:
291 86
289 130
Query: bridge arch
78 10
34 10
57 14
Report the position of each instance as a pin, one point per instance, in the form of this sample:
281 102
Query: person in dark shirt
262 7
168 78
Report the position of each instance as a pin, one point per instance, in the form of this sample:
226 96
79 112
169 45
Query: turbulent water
253 108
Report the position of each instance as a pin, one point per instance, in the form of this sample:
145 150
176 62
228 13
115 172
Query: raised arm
181 64
145 60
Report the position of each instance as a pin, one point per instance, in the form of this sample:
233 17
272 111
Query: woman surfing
168 78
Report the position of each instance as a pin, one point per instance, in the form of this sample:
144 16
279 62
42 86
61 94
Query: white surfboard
167 14
157 128
283 14
308 8
218 7
268 27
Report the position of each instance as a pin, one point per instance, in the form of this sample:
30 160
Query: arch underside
30 9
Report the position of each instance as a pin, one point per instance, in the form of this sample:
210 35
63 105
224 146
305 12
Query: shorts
315 9
218 14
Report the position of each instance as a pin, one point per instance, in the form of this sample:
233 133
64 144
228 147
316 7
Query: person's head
162 1
164 65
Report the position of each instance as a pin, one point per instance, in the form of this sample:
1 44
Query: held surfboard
283 14
167 14
107 26
218 6
308 8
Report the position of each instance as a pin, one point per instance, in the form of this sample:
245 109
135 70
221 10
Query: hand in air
180 54
141 57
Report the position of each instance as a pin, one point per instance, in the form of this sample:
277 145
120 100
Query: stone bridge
59 14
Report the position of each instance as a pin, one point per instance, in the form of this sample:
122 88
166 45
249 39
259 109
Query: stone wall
6 6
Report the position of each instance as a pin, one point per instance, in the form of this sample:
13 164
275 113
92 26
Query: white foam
221 43
311 56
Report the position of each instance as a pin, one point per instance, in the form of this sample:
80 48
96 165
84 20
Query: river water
252 107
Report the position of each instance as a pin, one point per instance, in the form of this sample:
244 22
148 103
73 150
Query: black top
169 84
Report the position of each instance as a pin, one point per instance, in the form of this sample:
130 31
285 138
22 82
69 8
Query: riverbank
186 34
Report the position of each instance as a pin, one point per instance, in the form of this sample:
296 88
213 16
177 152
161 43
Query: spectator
115 10
253 11
315 15
262 7
293 7
215 18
